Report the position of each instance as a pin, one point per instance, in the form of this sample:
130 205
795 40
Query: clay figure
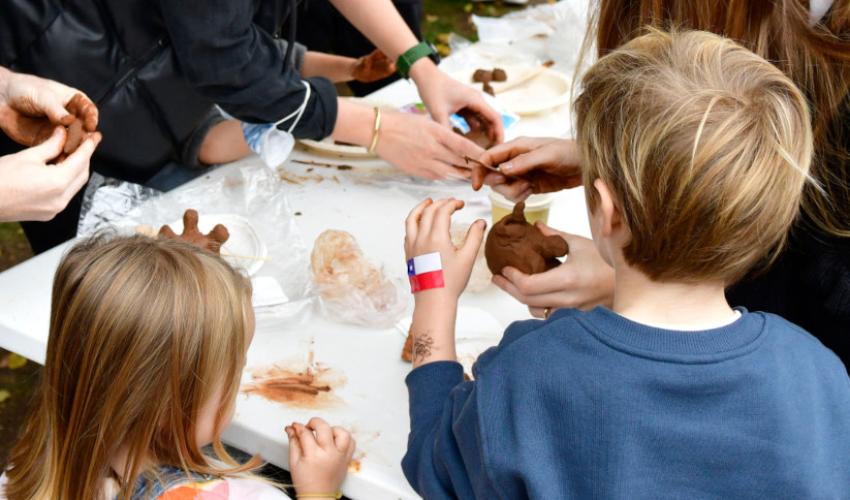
192 235
514 242
499 75
74 137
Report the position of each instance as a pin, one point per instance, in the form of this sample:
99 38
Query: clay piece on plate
482 76
514 242
499 75
211 241
488 89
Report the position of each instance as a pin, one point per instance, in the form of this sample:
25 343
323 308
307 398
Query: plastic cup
536 207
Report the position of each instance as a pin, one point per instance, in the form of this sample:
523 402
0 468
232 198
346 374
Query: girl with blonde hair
148 339
809 40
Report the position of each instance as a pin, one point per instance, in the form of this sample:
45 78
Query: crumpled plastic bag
351 288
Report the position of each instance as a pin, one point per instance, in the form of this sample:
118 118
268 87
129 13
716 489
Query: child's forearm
335 68
433 327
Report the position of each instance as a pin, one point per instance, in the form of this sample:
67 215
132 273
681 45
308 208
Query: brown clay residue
407 350
312 387
354 465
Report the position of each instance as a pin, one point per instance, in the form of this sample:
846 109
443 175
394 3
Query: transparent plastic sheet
253 193
108 200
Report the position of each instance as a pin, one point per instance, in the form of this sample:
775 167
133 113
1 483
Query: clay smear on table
312 387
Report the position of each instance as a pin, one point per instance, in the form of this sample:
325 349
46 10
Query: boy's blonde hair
143 333
706 148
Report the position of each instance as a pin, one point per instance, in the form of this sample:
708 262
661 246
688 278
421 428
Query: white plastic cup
536 207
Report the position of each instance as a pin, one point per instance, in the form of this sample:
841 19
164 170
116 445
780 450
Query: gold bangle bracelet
376 131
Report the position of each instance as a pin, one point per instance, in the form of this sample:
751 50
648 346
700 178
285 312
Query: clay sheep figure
514 242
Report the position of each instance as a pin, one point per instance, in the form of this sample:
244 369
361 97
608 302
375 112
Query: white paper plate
546 91
243 250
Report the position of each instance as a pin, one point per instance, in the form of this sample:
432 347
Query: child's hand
428 227
318 457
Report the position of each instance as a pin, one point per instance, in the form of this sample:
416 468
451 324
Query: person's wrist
423 70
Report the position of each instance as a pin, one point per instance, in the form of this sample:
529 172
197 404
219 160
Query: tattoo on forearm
423 344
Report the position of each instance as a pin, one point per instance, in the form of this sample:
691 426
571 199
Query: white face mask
269 142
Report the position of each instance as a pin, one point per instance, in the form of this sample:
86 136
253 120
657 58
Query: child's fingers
309 446
443 218
349 450
412 221
342 438
294 447
474 237
324 433
427 222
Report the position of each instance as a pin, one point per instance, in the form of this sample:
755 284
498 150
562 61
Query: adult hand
31 107
318 457
529 165
373 67
443 95
583 281
421 147
31 189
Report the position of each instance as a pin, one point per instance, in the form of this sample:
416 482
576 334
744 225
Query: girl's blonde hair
815 54
143 333
706 148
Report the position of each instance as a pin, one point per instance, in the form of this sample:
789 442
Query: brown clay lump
514 242
482 76
479 128
192 235
499 75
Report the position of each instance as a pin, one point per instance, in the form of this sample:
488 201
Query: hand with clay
530 165
443 96
428 229
33 187
584 281
192 235
318 457
373 67
31 107
421 147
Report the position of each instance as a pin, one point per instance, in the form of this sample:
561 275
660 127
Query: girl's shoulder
223 489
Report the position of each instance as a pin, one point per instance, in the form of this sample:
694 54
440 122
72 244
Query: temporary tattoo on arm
423 345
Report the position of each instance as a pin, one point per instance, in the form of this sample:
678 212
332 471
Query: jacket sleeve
231 61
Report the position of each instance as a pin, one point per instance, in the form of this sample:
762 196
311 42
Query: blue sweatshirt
592 405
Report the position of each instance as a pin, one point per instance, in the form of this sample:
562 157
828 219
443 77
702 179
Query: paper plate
243 250
328 147
546 91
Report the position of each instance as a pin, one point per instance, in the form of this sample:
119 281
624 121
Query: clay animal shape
192 235
514 242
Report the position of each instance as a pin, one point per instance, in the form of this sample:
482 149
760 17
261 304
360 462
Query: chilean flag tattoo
425 272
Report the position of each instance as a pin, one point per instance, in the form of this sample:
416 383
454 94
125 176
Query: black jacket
156 67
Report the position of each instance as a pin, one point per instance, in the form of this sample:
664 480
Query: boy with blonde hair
695 153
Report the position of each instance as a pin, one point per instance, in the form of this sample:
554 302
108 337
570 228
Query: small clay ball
499 75
516 243
482 75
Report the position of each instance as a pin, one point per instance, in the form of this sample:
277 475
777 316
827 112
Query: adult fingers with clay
422 147
31 107
34 189
529 165
583 281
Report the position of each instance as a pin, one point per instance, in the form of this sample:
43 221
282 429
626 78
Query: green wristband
415 53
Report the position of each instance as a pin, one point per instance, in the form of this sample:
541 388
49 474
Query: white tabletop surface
374 398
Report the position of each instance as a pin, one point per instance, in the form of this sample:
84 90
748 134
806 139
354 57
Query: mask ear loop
298 113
